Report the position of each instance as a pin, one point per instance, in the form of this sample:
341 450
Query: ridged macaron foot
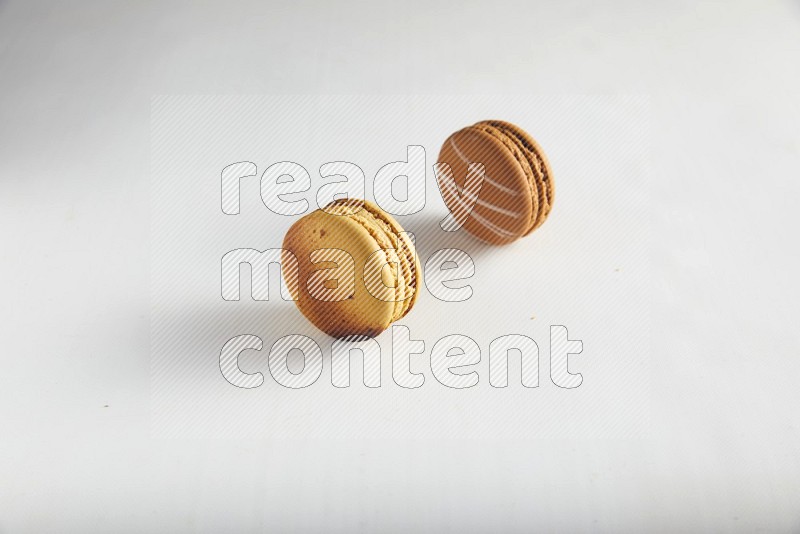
517 192
357 268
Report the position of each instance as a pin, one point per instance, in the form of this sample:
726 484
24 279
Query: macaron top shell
366 299
517 191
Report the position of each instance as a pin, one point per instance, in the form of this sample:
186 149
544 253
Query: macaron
357 268
517 191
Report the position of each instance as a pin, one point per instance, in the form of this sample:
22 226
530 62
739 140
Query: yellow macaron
357 268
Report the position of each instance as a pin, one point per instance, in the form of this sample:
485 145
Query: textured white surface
76 82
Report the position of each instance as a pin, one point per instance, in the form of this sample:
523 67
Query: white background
721 452
588 269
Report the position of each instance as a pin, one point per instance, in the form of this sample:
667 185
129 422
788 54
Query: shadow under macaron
430 237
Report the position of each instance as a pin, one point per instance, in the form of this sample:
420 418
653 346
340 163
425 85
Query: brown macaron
357 268
517 191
